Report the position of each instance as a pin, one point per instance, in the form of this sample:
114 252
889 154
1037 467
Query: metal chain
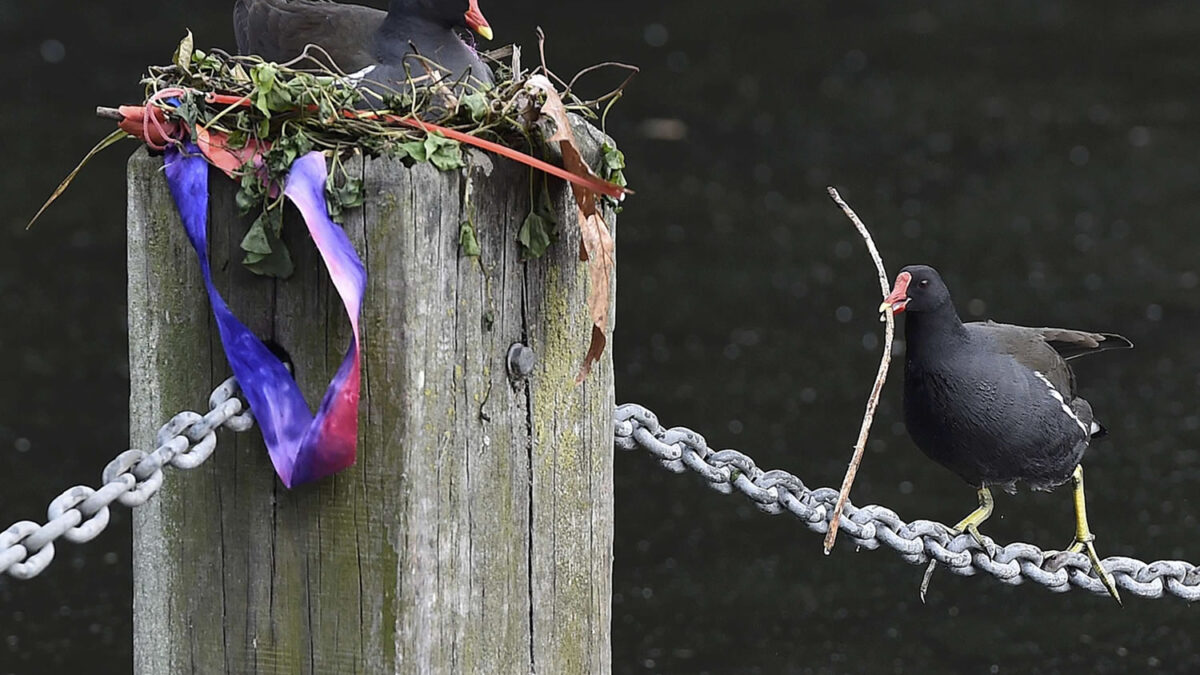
680 449
188 439
132 478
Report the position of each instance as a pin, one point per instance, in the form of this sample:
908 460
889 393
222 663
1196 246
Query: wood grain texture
474 534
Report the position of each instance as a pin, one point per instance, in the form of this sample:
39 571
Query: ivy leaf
266 253
444 153
290 145
256 242
536 234
416 150
263 77
204 60
269 95
613 164
188 110
237 139
277 264
251 192
476 102
467 240
341 198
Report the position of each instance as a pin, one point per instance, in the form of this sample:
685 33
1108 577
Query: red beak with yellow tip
476 22
898 298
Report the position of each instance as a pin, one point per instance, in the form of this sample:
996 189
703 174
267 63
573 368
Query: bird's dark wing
1028 347
1074 343
1047 350
278 30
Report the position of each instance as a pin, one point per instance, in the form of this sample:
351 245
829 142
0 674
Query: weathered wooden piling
474 534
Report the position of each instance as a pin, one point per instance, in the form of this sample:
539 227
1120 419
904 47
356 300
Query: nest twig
880 377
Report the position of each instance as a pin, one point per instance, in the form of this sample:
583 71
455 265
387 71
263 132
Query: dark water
1043 154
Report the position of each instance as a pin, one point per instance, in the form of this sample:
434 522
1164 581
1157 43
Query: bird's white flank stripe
1059 397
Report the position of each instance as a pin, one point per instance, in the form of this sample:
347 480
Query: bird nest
306 103
252 119
261 116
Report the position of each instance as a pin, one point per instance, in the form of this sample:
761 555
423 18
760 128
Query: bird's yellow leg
1084 537
974 519
969 524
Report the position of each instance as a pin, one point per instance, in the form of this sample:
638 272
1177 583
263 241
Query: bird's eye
923 283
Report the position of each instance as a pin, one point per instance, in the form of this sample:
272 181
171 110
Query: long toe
1110 584
984 543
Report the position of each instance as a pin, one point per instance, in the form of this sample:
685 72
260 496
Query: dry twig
880 378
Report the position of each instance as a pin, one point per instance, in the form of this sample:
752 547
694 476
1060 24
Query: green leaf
416 150
256 239
263 77
467 240
205 61
266 253
351 195
251 192
614 159
613 164
292 143
237 139
536 234
477 103
278 264
341 198
269 95
189 110
444 153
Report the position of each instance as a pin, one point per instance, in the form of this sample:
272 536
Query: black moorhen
412 35
995 403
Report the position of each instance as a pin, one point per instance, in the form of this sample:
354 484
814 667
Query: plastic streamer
302 447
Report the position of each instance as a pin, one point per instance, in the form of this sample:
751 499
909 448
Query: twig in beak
880 378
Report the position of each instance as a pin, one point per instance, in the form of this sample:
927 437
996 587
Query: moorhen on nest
996 403
413 37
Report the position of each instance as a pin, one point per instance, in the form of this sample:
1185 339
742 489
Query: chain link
680 449
133 477
188 439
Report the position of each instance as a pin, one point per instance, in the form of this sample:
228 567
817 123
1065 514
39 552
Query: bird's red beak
476 22
898 298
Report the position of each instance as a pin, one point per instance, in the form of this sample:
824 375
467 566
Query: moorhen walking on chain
409 38
996 403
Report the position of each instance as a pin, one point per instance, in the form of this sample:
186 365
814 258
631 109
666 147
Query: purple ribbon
302 447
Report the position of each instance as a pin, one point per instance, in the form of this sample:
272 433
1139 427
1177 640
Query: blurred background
1043 154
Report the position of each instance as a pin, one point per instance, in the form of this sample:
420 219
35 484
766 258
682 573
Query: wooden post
474 534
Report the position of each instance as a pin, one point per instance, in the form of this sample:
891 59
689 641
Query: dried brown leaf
596 242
